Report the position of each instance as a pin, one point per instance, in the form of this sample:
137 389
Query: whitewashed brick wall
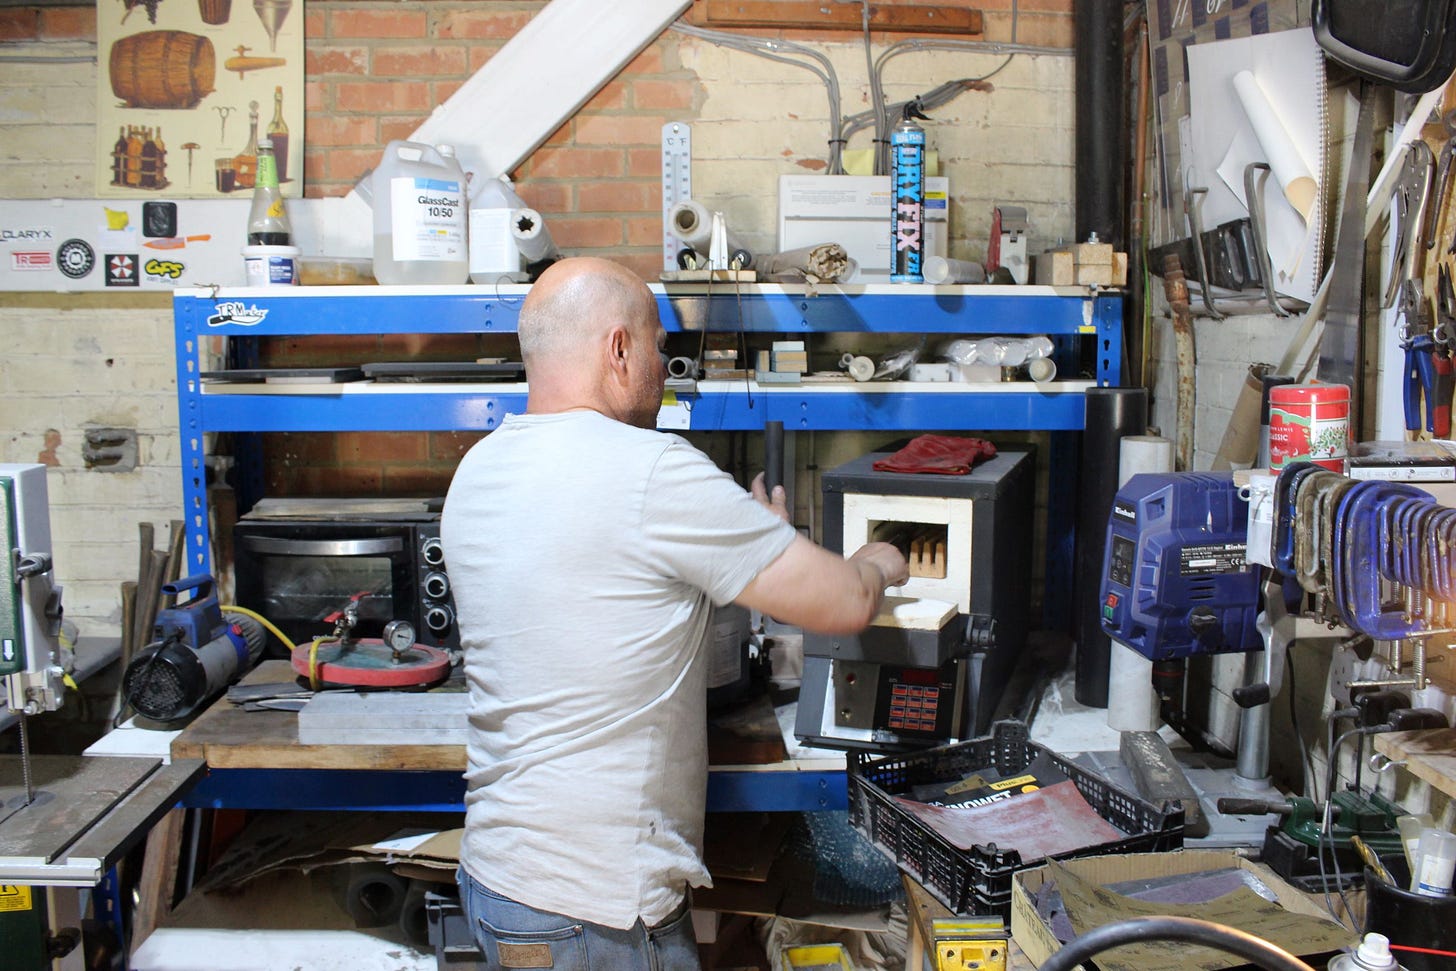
64 371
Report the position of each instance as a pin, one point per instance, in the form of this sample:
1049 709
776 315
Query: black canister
1411 919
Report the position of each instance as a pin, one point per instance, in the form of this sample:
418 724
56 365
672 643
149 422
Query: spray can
907 197
1373 954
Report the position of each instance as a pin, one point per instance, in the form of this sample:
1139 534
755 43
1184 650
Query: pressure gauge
399 635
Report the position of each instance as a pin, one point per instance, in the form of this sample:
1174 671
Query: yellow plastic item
817 957
969 943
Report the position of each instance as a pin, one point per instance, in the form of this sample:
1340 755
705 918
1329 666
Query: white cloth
584 555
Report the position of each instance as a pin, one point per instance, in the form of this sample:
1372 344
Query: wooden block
157 884
1092 254
1056 268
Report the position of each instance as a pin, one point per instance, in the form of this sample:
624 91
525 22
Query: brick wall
373 71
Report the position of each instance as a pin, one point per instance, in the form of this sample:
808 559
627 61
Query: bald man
586 551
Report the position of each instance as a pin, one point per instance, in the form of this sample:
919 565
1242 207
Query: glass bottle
133 156
152 147
267 219
278 134
118 158
161 172
246 161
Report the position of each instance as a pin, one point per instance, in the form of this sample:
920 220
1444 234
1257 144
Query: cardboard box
1038 942
854 211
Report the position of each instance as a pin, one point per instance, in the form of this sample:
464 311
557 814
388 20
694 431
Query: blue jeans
512 935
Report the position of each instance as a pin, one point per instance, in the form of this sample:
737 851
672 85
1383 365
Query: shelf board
1428 755
757 308
733 406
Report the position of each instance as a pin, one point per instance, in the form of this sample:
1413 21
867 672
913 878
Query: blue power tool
196 651
1175 576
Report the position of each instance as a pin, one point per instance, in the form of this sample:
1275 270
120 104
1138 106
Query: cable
1189 929
234 608
1306 759
1324 834
778 50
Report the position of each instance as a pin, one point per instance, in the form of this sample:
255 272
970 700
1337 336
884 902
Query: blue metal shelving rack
1067 314
1071 316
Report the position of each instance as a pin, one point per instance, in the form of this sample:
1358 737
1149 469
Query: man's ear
619 343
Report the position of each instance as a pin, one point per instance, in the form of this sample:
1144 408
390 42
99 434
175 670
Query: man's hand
778 504
885 558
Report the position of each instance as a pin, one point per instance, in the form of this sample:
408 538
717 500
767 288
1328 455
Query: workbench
255 761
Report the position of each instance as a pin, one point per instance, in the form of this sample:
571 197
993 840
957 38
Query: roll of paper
532 237
692 223
827 261
1285 161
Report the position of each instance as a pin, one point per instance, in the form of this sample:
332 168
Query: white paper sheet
1289 70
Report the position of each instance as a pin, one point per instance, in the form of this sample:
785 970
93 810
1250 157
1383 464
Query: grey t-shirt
584 555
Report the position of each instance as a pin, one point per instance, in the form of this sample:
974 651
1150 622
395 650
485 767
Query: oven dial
433 551
439 618
437 585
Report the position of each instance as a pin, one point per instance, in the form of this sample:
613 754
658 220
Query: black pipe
1112 413
773 455
1101 125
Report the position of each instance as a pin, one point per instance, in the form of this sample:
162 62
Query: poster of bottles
185 90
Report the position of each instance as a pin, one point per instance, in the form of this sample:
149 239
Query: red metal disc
368 663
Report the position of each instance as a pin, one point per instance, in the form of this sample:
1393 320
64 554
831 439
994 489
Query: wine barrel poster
187 88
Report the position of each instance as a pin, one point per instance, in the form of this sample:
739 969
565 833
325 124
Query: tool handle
1253 807
1252 695
773 455
1445 384
1411 386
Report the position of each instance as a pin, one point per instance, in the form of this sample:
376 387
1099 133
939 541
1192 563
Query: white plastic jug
494 256
419 199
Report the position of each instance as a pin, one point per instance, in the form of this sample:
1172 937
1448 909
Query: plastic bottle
268 219
494 255
1435 863
1410 827
1373 954
419 202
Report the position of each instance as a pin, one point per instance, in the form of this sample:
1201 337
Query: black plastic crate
978 880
